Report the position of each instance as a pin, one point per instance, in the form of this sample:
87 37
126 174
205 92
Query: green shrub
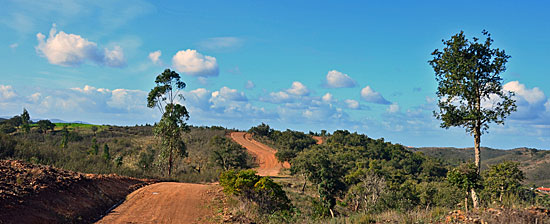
249 187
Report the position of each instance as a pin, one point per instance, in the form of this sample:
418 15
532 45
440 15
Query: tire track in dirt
166 202
265 155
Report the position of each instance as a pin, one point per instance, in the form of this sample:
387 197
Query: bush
249 187
7 146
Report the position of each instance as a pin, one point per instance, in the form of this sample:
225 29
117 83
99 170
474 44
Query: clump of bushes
250 188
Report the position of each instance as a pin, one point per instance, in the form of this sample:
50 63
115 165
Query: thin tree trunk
170 164
477 151
466 204
475 200
331 212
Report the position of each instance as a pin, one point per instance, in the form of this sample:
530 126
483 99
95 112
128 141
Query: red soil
265 155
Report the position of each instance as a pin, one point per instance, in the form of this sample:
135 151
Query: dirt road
166 202
269 166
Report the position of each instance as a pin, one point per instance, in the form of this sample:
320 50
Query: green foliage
249 187
25 121
503 179
318 165
172 124
95 147
228 154
45 125
465 177
468 74
118 161
7 128
7 146
106 154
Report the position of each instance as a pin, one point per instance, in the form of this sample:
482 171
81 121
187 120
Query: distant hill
533 162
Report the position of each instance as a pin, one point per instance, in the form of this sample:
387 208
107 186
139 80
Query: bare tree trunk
477 151
304 186
475 200
331 212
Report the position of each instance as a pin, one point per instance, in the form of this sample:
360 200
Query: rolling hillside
533 162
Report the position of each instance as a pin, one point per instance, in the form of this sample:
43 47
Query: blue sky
303 65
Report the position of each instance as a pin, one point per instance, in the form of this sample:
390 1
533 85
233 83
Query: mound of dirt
32 193
500 215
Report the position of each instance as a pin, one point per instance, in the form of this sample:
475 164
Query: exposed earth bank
32 193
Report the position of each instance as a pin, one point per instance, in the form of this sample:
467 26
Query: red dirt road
166 202
269 166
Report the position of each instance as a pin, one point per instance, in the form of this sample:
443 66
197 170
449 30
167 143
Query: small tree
171 126
228 154
45 125
470 87
25 120
106 154
502 178
466 178
95 147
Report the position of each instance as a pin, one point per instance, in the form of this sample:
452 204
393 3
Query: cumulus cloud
327 98
369 95
65 49
221 43
7 92
155 57
393 108
531 103
249 85
194 63
336 79
298 89
352 104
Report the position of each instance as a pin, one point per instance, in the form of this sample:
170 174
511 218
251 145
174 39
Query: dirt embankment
167 202
42 194
265 155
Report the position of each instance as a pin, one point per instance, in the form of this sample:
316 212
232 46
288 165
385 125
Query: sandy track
166 202
319 139
265 155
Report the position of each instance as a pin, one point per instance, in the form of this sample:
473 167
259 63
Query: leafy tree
228 154
106 154
261 130
15 121
502 178
365 195
470 87
7 128
171 126
466 178
25 121
318 167
118 161
45 125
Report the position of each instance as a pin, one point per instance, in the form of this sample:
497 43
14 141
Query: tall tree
169 129
25 119
470 87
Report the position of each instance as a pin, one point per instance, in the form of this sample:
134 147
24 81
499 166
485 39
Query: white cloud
534 95
194 63
249 85
393 108
327 98
155 57
298 89
336 79
279 97
221 43
352 104
14 45
7 92
65 49
547 105
369 95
